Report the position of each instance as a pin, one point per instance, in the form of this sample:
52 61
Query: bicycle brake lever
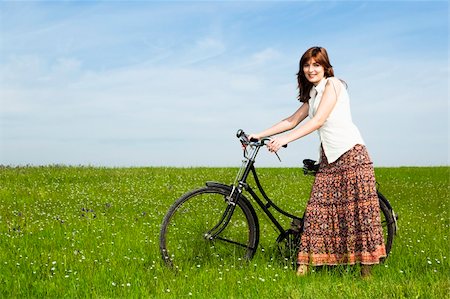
279 159
278 156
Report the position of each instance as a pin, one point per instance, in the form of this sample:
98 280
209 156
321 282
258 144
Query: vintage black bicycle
218 222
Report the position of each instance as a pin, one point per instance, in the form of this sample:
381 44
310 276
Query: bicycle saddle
310 165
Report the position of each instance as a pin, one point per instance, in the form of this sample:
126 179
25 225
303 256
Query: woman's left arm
327 103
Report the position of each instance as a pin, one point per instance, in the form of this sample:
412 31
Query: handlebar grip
239 133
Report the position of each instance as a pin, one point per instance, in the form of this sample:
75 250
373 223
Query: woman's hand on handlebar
276 143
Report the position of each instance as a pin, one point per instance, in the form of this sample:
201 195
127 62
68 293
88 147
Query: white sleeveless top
338 134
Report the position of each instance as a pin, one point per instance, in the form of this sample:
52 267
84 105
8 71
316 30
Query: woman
342 218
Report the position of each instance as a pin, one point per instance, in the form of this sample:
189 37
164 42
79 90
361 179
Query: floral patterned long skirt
342 223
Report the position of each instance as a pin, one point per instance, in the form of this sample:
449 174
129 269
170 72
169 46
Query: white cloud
265 56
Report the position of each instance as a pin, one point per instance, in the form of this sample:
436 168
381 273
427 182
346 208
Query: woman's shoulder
336 81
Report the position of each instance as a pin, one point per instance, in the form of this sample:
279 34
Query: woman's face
313 71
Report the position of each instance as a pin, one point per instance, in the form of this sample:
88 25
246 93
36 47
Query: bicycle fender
218 185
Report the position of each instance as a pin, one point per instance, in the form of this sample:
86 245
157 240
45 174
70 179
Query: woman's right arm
286 124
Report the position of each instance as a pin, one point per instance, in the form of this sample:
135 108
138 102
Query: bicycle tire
182 237
388 224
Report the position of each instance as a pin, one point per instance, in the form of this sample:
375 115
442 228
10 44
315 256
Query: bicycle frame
270 203
237 189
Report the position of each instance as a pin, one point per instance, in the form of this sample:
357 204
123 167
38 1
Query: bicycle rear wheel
387 223
186 240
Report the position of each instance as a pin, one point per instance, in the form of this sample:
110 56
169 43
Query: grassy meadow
74 232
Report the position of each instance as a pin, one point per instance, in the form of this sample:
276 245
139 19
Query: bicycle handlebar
244 139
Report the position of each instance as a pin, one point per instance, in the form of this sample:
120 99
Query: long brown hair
320 55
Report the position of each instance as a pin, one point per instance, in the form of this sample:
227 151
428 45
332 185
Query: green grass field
93 232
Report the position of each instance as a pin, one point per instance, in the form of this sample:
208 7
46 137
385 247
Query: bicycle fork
231 200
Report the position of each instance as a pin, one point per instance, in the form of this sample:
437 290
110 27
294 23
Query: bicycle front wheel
200 229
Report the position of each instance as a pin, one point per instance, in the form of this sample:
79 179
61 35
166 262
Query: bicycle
217 221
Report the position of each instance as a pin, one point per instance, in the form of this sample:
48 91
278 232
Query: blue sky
142 83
